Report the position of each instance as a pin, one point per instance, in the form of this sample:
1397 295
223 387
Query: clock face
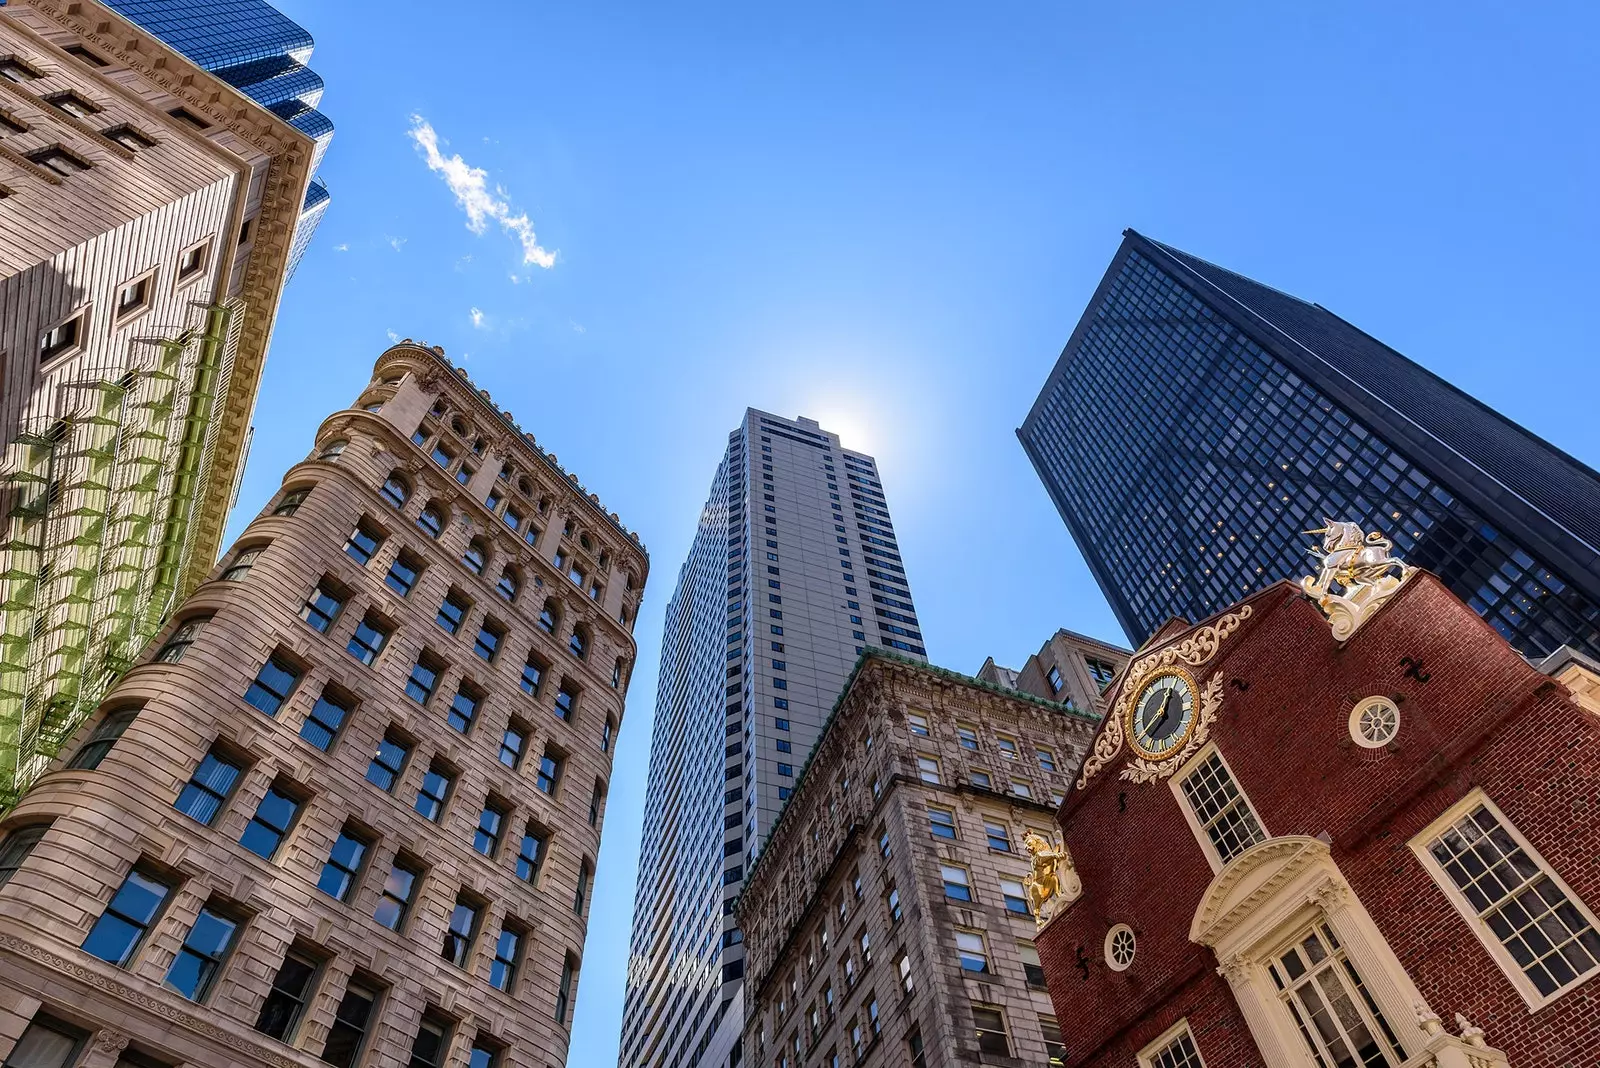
1163 718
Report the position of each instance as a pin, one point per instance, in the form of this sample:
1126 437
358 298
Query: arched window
549 616
544 505
510 584
333 449
584 543
432 520
459 427
291 501
396 489
579 642
476 556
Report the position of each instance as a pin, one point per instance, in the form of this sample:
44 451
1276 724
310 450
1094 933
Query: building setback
887 921
1323 852
148 209
263 53
1071 668
1198 421
794 571
347 811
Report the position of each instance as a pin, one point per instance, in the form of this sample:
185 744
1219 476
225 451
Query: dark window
387 761
103 739
202 954
402 576
272 686
459 935
595 800
290 503
432 1044
462 710
181 639
453 611
322 725
507 957
133 296
286 1001
322 608
488 641
531 854
547 618
203 796
486 839
434 793
242 563
475 558
16 848
270 825
566 700
512 743
549 772
185 115
130 137
1055 680
532 675
116 935
394 900
368 640
65 163
350 1022
578 644
605 735
85 55
508 585
564 991
47 1042
14 69
580 894
343 866
483 1055
363 543
395 490
431 520
61 339
423 680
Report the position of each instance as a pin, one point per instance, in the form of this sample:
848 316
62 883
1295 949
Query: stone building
1070 667
1305 845
148 210
886 923
348 809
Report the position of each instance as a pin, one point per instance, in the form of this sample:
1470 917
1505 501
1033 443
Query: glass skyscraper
261 52
794 571
1197 422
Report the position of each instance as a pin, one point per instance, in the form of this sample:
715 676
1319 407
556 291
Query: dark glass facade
260 51
1198 422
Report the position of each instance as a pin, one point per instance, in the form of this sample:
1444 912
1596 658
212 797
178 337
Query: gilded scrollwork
1141 770
1195 650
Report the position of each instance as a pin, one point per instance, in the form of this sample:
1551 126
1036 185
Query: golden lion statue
1052 883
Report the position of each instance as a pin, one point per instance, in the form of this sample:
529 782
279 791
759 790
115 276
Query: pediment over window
1250 882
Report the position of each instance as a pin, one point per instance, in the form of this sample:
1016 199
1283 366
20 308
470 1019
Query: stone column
1252 991
1363 944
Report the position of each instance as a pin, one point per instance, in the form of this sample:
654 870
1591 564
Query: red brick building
1301 852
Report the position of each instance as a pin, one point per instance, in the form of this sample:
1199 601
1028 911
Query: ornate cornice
146 1003
1287 857
288 173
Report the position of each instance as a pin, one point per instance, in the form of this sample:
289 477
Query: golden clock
1162 717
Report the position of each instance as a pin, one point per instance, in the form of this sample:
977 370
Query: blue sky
888 218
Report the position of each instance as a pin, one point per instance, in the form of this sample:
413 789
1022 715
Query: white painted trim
1491 942
1166 1038
1195 826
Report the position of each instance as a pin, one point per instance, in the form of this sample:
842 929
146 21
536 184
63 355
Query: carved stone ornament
1235 968
1427 1019
1141 770
1356 575
1052 883
109 1041
1195 650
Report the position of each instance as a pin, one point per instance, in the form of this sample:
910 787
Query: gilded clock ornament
1194 651
1161 719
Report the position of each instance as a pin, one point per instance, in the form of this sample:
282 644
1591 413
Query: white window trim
1147 1056
1195 826
1491 942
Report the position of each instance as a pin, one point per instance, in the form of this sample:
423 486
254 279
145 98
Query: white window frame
1176 784
1147 1056
1491 942
936 770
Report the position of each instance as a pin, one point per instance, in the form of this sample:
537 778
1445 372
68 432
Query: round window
1374 722
1120 947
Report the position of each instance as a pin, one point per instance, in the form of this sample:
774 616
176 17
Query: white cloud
341 247
396 242
394 338
471 188
477 318
577 326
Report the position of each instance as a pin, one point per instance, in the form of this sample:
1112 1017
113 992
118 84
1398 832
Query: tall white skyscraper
794 571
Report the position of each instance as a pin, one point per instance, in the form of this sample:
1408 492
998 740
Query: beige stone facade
886 922
360 660
147 209
1070 667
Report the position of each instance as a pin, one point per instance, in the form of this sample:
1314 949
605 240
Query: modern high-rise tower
260 51
793 573
1198 422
